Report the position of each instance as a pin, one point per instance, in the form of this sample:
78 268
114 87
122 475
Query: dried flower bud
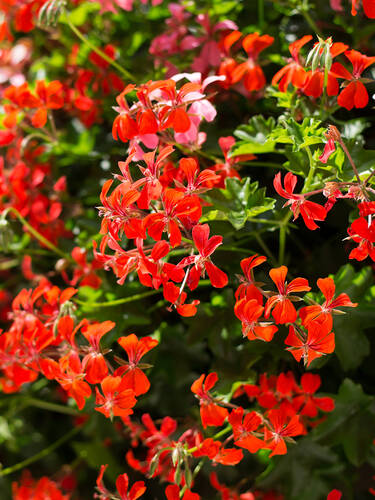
333 133
331 189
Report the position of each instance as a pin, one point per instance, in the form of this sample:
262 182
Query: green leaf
300 135
237 203
254 137
364 160
303 471
350 424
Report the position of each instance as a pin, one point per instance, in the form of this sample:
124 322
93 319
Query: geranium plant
187 247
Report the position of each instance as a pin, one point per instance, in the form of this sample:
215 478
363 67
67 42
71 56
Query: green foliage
350 425
240 201
352 344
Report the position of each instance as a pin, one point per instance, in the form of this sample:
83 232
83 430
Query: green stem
117 302
41 454
7 264
260 12
311 173
265 248
45 405
227 248
325 94
304 10
126 300
35 233
100 53
222 432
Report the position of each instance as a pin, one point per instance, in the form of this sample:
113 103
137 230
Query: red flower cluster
42 339
84 89
289 408
30 489
21 15
368 8
312 82
161 108
150 208
250 71
316 319
361 231
309 210
22 100
215 44
122 488
25 184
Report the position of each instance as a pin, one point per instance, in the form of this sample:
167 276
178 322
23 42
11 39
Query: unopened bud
176 456
327 57
188 477
68 308
50 13
153 464
61 265
178 475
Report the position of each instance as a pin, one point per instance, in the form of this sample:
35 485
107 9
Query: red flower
70 377
197 182
211 413
320 340
282 429
117 400
247 287
327 287
30 489
217 453
306 403
94 363
132 373
364 234
309 210
122 486
283 309
136 491
369 9
329 148
178 210
366 208
172 492
51 97
294 71
152 186
249 312
202 262
172 293
175 115
243 428
124 127
254 78
336 494
355 93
